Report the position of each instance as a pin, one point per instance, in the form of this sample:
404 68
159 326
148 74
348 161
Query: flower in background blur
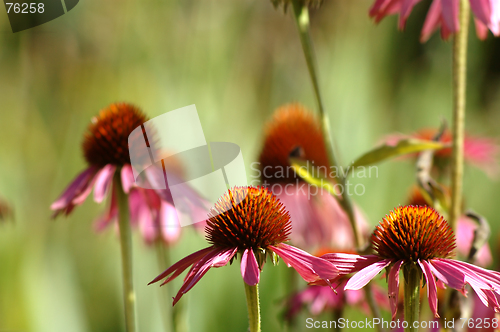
444 14
317 217
105 148
481 152
256 227
417 237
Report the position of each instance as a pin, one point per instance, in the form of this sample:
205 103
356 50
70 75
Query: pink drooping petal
449 14
447 276
169 222
76 192
481 30
147 226
309 267
389 7
103 180
495 17
393 285
432 20
105 220
127 176
406 8
360 279
250 268
481 10
485 277
182 265
377 7
349 263
215 258
431 287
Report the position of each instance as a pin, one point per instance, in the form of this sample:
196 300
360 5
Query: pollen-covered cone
251 222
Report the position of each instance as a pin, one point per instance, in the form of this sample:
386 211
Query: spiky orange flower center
106 141
413 232
257 221
293 130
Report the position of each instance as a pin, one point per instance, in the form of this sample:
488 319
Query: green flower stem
252 294
412 277
459 97
126 251
301 16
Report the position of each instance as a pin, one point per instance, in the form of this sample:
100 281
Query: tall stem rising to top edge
412 296
301 16
459 97
253 305
126 251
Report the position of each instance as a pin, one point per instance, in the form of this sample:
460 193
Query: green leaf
301 168
403 147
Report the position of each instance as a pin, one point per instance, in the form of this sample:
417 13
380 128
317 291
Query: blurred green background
237 61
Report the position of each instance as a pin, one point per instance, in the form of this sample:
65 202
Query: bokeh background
237 61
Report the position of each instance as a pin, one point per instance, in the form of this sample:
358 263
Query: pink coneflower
317 217
255 228
417 237
482 152
444 14
105 148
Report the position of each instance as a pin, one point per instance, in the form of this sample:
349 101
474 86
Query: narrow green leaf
403 147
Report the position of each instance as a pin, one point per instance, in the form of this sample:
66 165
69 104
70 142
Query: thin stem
252 294
412 296
459 98
126 251
301 17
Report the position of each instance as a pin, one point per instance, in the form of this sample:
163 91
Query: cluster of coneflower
254 224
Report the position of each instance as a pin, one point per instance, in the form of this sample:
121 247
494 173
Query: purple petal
309 267
481 10
170 227
360 279
78 190
103 181
431 287
215 258
432 20
250 268
450 15
446 275
182 265
406 9
393 285
127 176
349 263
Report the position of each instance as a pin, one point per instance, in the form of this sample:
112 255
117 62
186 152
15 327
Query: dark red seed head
257 221
106 141
413 232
